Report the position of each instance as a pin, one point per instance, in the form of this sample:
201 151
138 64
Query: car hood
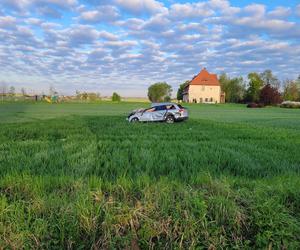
136 111
140 110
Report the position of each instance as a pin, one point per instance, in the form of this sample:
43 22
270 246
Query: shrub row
290 104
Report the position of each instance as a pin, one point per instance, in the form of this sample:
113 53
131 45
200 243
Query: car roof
162 104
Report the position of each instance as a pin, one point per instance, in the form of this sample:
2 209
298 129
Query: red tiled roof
205 78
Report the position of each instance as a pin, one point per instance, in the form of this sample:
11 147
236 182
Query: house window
206 99
211 99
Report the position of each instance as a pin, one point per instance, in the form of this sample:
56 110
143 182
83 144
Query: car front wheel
170 119
135 119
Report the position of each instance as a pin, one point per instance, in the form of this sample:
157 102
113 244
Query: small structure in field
204 88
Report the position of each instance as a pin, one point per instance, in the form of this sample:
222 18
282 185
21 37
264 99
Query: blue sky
126 45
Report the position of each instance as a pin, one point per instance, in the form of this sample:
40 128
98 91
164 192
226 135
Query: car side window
150 110
170 107
160 108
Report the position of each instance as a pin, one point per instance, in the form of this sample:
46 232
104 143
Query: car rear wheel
135 119
170 119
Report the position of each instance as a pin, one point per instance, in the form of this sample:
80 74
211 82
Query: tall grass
99 182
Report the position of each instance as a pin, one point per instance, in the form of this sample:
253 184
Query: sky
127 45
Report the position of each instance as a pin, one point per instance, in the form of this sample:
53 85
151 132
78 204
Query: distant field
16 112
79 176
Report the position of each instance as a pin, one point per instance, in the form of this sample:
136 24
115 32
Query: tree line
264 88
10 92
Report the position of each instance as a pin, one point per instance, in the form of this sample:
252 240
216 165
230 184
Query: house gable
205 78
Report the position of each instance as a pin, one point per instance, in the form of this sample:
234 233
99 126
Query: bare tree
52 90
3 90
269 78
12 91
23 91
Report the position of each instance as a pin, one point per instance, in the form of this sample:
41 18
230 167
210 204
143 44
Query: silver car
168 112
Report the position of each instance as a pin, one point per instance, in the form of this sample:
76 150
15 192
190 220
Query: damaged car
159 112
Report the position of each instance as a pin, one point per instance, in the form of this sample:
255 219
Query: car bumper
184 118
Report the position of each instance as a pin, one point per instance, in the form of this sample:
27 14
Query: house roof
205 78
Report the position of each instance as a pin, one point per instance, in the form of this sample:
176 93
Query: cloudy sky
125 45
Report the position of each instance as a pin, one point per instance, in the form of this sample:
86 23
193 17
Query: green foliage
115 97
291 91
255 85
159 92
181 89
226 179
234 88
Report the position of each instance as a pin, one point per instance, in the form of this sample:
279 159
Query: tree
298 82
159 92
84 96
115 97
291 91
78 94
52 90
270 95
268 78
234 88
3 90
181 89
255 85
23 91
12 91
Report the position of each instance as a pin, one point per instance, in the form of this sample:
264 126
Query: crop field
78 176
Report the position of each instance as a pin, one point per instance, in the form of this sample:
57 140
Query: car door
147 115
159 113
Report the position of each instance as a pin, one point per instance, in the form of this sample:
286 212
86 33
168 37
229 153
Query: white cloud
268 24
7 22
64 3
108 36
82 34
280 12
102 13
298 10
24 3
139 6
219 4
121 44
16 4
257 10
190 10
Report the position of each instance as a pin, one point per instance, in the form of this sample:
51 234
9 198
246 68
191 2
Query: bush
255 105
115 97
270 95
290 104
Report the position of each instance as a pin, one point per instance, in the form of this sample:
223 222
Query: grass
79 176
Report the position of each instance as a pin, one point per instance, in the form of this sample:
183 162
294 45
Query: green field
78 176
